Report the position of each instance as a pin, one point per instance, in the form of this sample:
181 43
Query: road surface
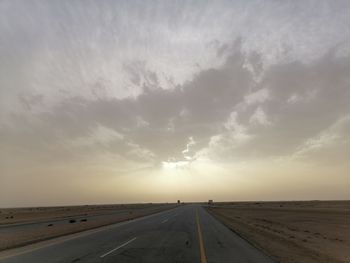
184 234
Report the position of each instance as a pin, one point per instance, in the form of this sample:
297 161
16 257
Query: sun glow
175 165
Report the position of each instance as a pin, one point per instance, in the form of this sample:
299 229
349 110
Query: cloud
334 141
127 86
217 107
187 152
259 118
257 96
276 125
99 135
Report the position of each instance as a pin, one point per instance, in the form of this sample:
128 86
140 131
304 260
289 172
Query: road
184 234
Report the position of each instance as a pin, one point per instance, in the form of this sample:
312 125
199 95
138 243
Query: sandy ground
34 214
309 231
86 217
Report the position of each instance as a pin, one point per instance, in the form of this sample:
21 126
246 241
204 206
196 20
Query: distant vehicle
210 202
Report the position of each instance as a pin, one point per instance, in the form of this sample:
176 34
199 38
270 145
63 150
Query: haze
154 101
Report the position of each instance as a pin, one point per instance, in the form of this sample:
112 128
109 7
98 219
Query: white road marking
165 221
122 245
58 240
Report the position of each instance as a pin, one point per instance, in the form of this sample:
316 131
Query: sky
155 101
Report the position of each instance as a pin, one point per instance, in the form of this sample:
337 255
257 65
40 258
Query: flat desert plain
300 231
21 226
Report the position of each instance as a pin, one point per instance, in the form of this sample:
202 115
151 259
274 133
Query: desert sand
301 231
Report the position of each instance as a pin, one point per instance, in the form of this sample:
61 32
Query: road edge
256 246
46 242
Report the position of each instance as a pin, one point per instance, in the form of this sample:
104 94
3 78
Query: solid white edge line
13 252
164 221
122 245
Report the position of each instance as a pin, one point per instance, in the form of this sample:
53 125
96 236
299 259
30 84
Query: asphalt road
184 234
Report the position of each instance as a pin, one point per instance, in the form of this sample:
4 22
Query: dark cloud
303 100
196 109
